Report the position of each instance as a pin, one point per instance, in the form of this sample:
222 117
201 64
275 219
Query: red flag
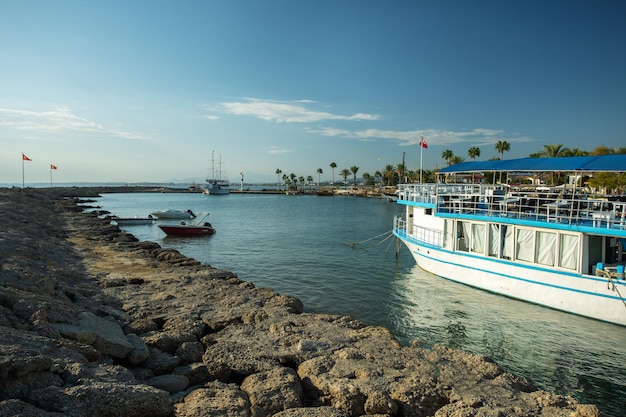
53 166
423 143
25 158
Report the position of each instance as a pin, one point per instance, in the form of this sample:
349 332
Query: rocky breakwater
95 323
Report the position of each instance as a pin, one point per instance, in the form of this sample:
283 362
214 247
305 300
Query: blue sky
146 90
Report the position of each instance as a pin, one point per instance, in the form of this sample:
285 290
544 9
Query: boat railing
562 207
421 234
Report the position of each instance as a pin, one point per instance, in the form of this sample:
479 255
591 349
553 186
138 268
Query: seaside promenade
95 323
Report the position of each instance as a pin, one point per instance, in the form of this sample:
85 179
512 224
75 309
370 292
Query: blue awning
610 163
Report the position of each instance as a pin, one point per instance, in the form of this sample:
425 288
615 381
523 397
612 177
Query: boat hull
133 221
172 215
584 295
184 230
217 187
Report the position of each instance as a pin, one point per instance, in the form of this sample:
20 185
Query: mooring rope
389 235
610 282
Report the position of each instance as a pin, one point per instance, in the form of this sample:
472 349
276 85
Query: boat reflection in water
555 351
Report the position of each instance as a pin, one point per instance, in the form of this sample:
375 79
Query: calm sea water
336 254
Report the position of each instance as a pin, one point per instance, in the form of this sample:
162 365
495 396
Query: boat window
494 239
525 245
568 251
477 241
462 233
448 236
546 248
507 242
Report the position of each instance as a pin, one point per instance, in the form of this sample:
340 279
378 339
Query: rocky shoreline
96 323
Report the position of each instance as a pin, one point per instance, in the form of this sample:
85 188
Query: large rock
216 399
273 391
101 399
109 336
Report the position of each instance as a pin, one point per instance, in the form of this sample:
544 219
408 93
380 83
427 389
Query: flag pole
421 151
22 171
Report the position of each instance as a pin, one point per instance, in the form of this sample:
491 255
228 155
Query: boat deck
566 207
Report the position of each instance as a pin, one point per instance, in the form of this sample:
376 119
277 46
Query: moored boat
216 185
199 227
171 214
564 250
133 221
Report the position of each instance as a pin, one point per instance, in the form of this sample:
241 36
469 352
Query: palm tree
319 173
502 146
378 174
294 179
278 172
354 170
344 173
447 155
553 151
333 166
456 160
473 153
400 169
309 179
389 174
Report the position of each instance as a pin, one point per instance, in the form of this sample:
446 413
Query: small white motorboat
173 214
199 227
132 221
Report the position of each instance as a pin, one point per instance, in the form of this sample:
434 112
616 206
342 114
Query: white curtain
507 243
478 238
568 254
525 248
546 248
448 234
494 239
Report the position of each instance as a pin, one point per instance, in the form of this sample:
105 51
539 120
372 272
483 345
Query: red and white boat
199 227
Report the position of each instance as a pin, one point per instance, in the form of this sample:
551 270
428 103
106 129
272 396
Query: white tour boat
564 250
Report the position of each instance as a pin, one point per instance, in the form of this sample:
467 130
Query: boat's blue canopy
611 163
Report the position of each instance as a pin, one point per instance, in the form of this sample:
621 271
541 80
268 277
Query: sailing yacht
216 185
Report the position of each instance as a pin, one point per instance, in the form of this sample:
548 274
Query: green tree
447 156
294 180
502 146
354 169
278 172
553 151
473 153
378 174
400 169
319 173
333 166
389 174
344 173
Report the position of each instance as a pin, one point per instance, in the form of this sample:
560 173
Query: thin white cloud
287 112
278 151
432 136
59 121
